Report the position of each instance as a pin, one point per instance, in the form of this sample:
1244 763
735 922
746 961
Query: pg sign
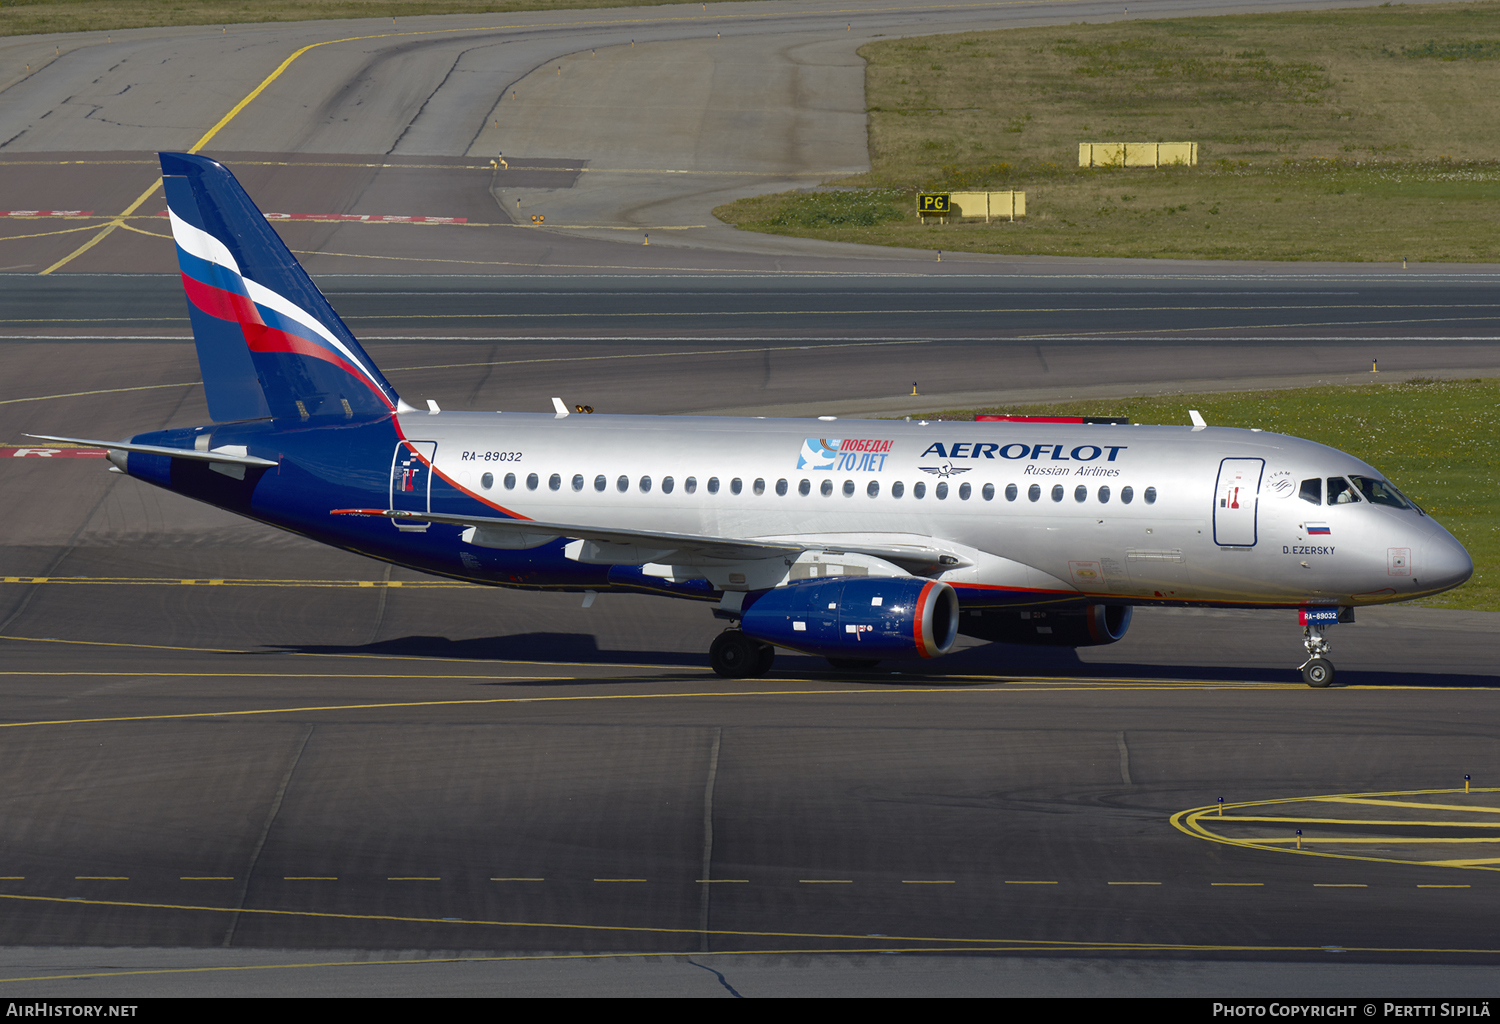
934 204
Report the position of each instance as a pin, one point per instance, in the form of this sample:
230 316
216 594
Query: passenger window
964 490
1341 491
600 483
1034 492
623 484
941 490
848 488
735 486
874 489
1011 492
1104 495
826 488
510 481
1127 495
1080 494
645 484
804 488
781 488
487 481
919 490
1150 495
690 485
897 489
759 486
713 485
988 492
1057 492
667 483
1312 491
554 482
577 481
531 482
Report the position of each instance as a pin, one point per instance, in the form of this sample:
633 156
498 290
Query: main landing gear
733 655
1317 670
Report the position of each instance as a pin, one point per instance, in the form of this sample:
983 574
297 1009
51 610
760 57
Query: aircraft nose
1443 563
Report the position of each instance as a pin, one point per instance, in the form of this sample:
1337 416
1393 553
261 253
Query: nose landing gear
1317 670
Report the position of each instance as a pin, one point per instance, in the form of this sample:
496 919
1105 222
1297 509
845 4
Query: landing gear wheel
854 664
767 659
733 655
1318 672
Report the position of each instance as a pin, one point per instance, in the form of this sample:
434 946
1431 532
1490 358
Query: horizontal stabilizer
176 453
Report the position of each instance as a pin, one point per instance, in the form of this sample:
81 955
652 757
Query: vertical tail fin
269 344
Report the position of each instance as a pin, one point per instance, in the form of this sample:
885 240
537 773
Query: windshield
1381 492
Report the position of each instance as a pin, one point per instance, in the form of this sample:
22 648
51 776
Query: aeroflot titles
1017 450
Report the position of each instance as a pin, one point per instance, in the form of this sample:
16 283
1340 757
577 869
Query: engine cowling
1088 626
874 617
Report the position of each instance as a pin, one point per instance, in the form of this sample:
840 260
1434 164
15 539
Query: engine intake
876 617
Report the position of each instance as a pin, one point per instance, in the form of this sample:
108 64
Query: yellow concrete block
1137 154
989 205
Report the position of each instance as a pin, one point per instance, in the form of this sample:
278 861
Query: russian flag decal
1318 530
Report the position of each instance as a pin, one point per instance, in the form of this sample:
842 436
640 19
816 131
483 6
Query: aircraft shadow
990 659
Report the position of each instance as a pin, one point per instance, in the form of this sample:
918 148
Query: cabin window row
940 491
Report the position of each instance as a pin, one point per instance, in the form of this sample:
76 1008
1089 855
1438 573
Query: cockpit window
1341 491
1312 491
1381 492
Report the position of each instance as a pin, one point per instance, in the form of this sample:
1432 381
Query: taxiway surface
223 742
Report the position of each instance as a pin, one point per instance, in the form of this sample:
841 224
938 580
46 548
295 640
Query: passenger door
1236 498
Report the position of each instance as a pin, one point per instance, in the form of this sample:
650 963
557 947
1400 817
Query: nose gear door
411 481
1236 499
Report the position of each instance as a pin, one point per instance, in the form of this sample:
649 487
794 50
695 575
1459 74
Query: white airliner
858 540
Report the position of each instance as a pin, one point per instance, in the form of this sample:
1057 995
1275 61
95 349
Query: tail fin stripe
269 339
197 242
220 302
211 287
287 315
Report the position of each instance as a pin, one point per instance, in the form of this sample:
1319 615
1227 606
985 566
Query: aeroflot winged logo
847 455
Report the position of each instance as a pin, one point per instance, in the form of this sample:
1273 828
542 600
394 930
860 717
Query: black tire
767 659
1318 673
854 664
733 655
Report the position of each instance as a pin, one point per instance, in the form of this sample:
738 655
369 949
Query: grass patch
1439 441
28 17
1323 135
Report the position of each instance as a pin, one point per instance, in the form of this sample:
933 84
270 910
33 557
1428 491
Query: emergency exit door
1236 498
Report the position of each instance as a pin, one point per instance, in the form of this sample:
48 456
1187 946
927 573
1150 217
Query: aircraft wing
637 546
231 454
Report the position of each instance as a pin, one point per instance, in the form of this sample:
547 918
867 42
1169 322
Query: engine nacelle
1088 626
874 617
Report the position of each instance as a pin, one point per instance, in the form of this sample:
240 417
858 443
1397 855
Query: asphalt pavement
233 755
